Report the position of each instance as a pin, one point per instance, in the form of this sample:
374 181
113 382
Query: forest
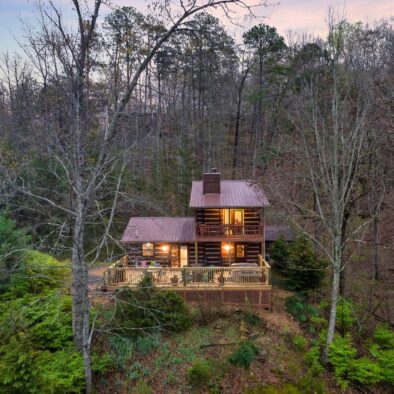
114 115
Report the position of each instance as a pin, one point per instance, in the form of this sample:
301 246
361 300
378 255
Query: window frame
147 252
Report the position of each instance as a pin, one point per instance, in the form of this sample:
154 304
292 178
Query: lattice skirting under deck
256 298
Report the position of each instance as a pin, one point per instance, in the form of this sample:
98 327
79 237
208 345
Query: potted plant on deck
175 280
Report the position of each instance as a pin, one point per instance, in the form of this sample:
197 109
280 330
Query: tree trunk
80 303
336 278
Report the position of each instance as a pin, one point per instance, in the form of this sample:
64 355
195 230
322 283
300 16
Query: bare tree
331 120
81 139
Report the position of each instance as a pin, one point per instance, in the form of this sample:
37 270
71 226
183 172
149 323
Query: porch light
227 247
165 248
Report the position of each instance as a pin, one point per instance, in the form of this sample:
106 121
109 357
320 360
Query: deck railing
118 275
229 231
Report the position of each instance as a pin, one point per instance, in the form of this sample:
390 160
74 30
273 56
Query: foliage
146 344
384 336
121 350
13 244
246 353
385 358
36 347
280 252
300 342
141 388
39 272
364 371
37 353
348 368
298 307
148 309
310 384
341 357
264 39
199 374
383 352
252 319
101 363
305 269
345 314
312 358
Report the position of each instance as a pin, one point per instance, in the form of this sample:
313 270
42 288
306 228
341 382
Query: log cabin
221 247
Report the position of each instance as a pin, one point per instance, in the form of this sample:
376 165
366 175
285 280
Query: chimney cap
214 170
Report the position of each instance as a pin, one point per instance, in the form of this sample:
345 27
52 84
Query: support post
263 235
196 252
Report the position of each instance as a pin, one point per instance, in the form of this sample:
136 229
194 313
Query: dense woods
114 117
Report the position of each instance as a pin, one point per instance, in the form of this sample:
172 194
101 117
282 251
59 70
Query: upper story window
232 216
147 249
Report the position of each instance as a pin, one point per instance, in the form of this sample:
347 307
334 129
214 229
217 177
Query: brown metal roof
159 229
233 194
180 229
272 233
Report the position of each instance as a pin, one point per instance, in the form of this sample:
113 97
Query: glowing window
147 249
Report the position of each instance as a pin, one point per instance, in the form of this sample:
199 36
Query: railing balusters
189 276
228 230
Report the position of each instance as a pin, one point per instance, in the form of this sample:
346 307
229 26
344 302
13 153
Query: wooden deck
224 285
120 274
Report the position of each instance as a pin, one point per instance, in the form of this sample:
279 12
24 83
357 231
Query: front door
174 254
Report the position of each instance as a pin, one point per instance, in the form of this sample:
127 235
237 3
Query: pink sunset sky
300 16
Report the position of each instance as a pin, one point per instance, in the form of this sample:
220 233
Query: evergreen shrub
246 353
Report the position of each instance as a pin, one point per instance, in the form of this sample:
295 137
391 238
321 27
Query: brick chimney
211 182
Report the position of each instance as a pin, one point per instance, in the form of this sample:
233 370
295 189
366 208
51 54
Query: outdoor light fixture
227 247
165 248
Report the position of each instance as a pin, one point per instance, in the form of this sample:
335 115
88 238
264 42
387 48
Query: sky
299 16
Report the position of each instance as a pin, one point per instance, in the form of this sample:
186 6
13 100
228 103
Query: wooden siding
251 217
208 216
252 250
209 253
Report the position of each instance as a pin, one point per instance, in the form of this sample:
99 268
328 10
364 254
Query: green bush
246 353
148 310
384 336
348 368
305 269
312 358
101 363
341 356
37 353
145 344
279 252
385 359
365 371
300 342
13 244
345 315
383 352
199 374
121 350
39 272
298 307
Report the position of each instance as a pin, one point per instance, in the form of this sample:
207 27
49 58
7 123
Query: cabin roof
180 229
233 194
272 233
159 229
